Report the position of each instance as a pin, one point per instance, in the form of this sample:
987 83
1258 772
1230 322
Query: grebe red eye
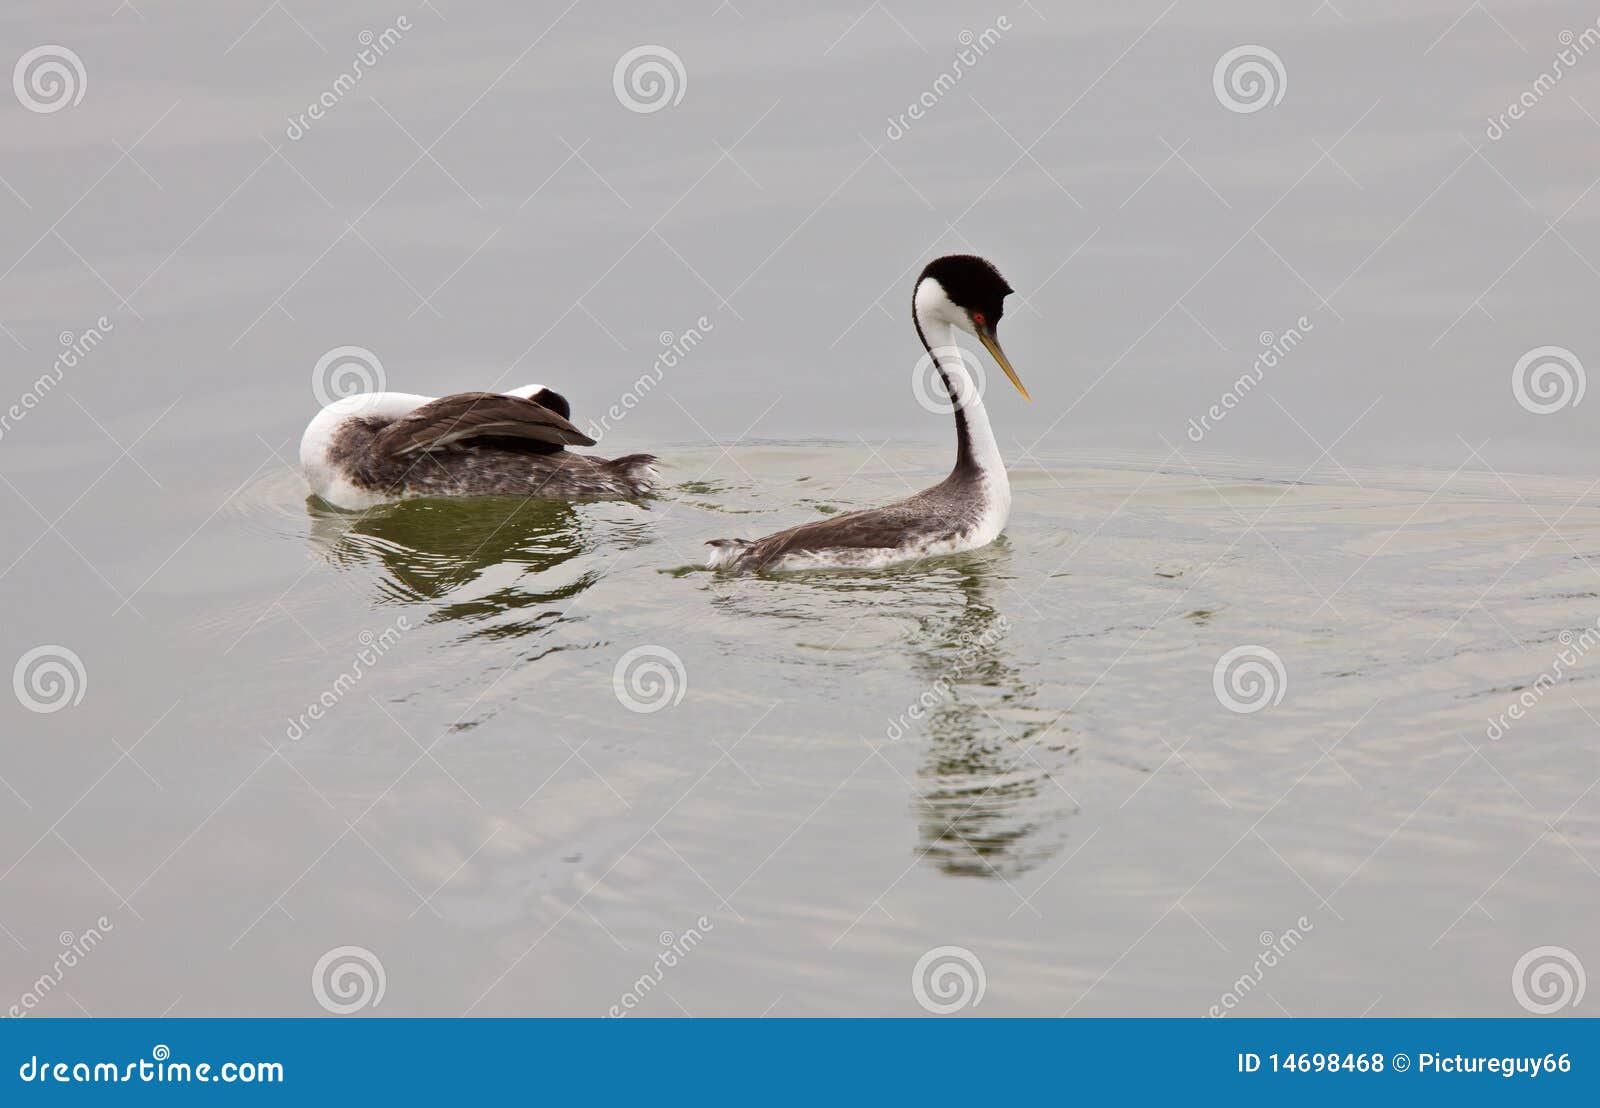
977 317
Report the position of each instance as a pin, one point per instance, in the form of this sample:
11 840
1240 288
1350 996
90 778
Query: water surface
1020 750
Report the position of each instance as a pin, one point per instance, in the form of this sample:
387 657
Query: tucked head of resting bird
374 447
969 508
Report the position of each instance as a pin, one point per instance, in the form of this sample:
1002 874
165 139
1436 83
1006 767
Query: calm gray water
1289 709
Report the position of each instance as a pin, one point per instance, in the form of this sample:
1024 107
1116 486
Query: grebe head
966 292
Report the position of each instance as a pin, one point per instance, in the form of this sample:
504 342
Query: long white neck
976 446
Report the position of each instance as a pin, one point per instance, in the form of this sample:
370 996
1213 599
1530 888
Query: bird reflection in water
989 803
494 561
988 796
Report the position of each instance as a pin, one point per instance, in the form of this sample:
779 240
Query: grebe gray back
375 447
966 510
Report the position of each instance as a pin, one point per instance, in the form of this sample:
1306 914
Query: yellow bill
992 344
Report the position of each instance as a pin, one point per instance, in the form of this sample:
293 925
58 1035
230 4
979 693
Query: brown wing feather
477 415
869 529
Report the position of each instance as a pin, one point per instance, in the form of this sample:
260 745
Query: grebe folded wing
863 537
479 415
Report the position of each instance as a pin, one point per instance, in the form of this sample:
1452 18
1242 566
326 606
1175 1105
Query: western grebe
967 509
375 447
